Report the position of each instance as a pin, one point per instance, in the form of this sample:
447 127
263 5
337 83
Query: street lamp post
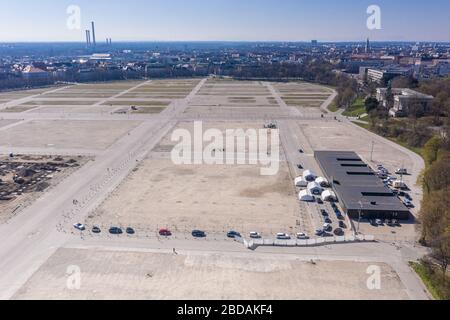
360 213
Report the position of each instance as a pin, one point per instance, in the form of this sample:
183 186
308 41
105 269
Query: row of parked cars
398 187
380 223
195 233
112 230
327 229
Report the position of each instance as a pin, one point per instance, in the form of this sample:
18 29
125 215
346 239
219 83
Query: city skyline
293 21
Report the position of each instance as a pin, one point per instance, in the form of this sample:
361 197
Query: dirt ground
212 198
166 144
4 123
9 209
139 275
66 134
303 95
233 94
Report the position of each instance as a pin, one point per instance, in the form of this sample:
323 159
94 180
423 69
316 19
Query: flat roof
355 182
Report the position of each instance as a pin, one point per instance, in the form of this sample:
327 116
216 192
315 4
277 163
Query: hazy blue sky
261 20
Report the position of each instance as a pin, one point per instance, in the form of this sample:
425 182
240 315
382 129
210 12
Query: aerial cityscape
149 151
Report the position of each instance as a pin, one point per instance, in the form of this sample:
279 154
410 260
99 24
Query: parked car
339 232
407 196
379 222
115 230
382 176
342 225
255 235
402 171
319 200
327 227
130 231
396 223
302 236
300 166
198 234
324 213
233 234
408 204
373 223
328 220
283 236
319 232
79 226
301 151
165 233
96 230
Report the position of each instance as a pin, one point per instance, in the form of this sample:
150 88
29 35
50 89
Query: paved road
329 101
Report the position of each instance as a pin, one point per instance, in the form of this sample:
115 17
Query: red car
165 233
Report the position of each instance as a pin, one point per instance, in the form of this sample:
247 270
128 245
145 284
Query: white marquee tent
329 196
301 183
309 175
323 182
304 195
315 188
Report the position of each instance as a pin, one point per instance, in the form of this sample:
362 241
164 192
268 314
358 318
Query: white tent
309 176
301 183
329 196
323 182
304 195
314 188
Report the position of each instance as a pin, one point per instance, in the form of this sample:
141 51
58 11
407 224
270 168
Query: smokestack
88 38
93 34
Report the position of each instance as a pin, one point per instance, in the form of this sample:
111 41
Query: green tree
371 103
431 149
435 218
437 176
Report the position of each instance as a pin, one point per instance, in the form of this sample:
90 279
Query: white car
79 226
402 171
283 236
302 236
255 235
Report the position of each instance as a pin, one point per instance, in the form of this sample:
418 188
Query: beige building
404 100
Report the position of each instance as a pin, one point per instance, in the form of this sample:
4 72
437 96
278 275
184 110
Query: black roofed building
358 187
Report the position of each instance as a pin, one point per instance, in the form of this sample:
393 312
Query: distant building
383 76
100 56
404 99
30 72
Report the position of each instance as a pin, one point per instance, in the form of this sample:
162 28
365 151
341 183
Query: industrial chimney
88 38
93 34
